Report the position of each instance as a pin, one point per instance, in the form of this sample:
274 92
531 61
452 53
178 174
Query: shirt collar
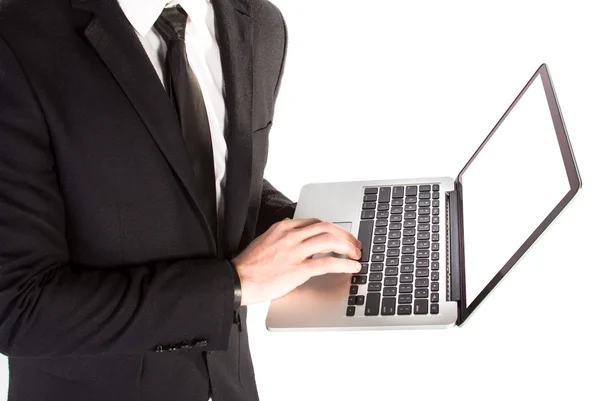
142 14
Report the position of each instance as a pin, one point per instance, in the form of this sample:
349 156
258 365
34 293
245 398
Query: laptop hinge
452 247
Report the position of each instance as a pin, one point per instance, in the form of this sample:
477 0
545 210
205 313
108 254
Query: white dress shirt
205 61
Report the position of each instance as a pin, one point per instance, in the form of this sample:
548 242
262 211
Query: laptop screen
512 185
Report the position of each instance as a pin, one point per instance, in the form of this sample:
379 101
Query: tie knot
171 23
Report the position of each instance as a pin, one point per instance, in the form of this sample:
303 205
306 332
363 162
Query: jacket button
159 348
201 343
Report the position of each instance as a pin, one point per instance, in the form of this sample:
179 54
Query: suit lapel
234 35
115 41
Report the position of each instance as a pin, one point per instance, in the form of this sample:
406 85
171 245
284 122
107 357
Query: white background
398 89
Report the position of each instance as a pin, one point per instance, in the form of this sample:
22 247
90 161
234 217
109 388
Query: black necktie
184 90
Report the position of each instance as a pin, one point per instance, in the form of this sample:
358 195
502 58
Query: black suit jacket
105 256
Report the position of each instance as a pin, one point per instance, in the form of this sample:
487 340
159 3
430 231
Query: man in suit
135 223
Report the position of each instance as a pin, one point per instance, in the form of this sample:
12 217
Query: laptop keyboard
400 234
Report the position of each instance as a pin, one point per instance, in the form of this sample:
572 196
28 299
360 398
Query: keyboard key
375 277
369 205
365 231
422 273
408 249
435 220
435 195
424 203
423 227
367 214
405 288
390 281
435 246
435 228
396 210
370 191
394 243
435 286
422 293
394 234
435 265
435 309
407 268
435 237
436 187
359 280
388 306
390 291
395 218
377 267
435 211
353 289
397 202
406 278
391 271
423 219
422 244
383 215
435 256
381 223
411 190
384 194
410 200
422 283
405 299
377 257
424 211
410 232
435 297
350 311
372 304
422 236
364 268
421 306
410 215
379 239
422 262
380 231
374 287
392 262
379 248
425 188
352 300
407 259
393 252
404 309
398 192
435 276
435 203
383 207
408 241
424 195
370 198
410 208
360 300
395 226
410 223
423 253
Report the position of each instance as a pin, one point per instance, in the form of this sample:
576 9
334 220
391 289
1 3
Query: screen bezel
574 182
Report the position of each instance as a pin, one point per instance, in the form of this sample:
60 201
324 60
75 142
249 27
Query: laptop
435 248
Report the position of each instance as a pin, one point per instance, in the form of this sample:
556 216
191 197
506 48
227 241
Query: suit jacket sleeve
52 307
274 205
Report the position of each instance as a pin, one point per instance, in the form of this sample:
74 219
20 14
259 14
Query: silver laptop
434 248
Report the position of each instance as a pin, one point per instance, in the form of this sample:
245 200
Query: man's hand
281 259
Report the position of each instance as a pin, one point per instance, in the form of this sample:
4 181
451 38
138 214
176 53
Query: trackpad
343 225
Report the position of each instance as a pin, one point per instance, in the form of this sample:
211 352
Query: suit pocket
264 130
